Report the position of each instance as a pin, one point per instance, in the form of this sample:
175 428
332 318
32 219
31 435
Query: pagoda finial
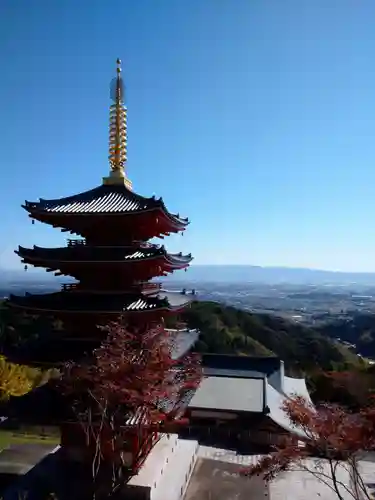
118 137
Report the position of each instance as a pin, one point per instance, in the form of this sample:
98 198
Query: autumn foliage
130 389
17 380
133 369
331 433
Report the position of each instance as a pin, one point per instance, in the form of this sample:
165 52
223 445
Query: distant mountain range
271 275
220 274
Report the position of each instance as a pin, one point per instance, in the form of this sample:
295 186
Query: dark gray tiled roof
88 253
86 302
101 200
230 394
182 341
226 363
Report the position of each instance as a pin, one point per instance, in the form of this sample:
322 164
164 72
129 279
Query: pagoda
110 258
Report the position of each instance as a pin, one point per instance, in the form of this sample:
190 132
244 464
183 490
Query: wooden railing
75 243
82 242
146 288
69 286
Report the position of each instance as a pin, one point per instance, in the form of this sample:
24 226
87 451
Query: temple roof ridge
102 188
108 199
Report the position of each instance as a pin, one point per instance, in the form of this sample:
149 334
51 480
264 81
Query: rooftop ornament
118 135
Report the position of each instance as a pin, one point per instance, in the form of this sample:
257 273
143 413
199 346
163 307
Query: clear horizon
180 274
254 119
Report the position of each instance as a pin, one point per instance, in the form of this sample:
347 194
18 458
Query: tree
131 387
17 380
352 389
333 435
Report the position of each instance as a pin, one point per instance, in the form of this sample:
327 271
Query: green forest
332 370
228 330
359 330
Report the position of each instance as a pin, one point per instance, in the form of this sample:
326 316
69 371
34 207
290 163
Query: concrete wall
166 472
177 477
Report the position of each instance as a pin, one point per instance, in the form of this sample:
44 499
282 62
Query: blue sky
254 118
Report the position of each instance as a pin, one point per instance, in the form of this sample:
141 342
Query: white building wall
166 471
276 379
177 475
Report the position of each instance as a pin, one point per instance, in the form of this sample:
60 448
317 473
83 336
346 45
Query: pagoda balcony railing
69 286
146 244
76 243
151 287
82 242
145 287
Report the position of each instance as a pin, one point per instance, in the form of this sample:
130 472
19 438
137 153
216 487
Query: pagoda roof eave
178 259
56 205
96 312
102 200
174 218
100 304
72 255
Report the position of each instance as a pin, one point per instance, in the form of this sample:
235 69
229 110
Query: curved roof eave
275 401
138 303
183 222
93 191
32 255
179 260
90 311
108 200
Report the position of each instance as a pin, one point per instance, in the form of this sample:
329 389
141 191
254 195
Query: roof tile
100 200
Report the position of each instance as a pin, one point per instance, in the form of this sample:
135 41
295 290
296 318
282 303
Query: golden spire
118 138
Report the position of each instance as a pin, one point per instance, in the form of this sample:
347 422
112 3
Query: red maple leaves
131 382
331 433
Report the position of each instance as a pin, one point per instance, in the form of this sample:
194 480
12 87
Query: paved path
213 479
21 458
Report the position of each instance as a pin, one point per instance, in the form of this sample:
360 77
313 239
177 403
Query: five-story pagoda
112 261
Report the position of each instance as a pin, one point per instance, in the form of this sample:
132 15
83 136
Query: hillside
224 330
227 330
359 331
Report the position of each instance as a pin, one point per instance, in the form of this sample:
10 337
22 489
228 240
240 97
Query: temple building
111 260
235 417
239 402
